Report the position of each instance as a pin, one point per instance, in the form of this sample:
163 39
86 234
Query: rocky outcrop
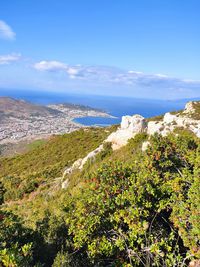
154 127
78 165
75 166
65 184
91 156
171 122
130 126
189 108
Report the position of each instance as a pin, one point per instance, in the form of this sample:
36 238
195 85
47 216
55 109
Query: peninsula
21 120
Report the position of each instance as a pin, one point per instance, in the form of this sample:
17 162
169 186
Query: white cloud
6 31
161 75
77 71
55 66
50 66
100 73
7 59
72 71
135 72
131 82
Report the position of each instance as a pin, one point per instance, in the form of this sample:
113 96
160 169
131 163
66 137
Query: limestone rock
155 127
65 184
195 129
169 118
189 108
171 122
145 145
90 156
75 166
130 126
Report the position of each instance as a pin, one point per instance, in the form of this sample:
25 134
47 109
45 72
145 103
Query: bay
115 106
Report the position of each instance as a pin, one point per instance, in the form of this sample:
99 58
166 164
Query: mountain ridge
14 107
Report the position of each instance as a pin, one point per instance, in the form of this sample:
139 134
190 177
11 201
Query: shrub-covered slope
24 173
127 208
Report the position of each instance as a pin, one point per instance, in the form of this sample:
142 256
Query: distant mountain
79 107
21 120
20 108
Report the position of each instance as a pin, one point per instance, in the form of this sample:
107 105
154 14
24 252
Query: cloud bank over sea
54 75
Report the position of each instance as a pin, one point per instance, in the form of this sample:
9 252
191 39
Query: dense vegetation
28 171
128 208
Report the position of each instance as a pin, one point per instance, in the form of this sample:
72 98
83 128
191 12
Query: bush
143 214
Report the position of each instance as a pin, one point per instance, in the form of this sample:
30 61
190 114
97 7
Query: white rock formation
91 156
171 122
169 118
75 166
145 145
78 165
189 108
130 126
65 184
155 127
195 129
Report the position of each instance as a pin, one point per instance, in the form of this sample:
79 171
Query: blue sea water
116 106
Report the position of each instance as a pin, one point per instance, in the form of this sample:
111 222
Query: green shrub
131 214
24 173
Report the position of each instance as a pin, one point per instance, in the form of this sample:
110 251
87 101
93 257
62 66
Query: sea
116 106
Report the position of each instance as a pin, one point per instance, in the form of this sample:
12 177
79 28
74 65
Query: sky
136 48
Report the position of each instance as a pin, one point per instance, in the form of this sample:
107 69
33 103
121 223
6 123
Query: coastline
16 127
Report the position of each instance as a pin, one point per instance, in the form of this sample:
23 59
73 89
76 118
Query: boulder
169 118
189 108
130 126
155 127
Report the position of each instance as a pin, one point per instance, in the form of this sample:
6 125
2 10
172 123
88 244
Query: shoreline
15 130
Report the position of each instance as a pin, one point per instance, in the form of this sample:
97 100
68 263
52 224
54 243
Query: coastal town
15 126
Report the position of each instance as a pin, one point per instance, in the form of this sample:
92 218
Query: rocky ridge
188 119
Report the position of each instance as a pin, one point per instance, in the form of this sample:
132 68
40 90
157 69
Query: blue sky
139 48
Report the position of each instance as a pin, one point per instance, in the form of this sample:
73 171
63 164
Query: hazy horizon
14 92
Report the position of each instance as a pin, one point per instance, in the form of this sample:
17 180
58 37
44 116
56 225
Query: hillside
23 122
10 107
28 171
127 195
